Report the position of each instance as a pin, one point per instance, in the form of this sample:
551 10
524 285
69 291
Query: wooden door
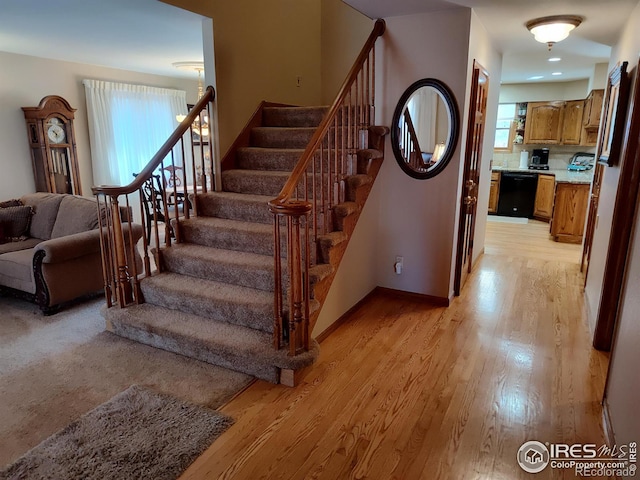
471 177
544 123
494 190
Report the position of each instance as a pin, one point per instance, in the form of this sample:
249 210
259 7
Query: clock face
55 131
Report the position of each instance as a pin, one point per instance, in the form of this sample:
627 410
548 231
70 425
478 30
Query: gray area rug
55 369
136 434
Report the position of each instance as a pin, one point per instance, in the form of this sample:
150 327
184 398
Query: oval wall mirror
425 128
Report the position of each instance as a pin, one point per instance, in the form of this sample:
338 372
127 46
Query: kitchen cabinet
569 212
543 208
494 191
544 123
572 123
591 118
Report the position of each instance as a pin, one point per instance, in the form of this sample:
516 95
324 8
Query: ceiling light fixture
202 130
554 59
537 77
551 30
556 73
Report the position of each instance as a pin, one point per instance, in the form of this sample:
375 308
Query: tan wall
542 92
416 218
623 390
24 80
344 31
260 50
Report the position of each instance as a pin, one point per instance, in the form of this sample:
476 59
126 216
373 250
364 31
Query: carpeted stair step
235 206
245 269
230 346
254 181
257 158
228 234
281 137
293 116
282 159
222 302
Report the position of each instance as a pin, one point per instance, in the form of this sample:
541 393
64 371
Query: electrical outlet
398 265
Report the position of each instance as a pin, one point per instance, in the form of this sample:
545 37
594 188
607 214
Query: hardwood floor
404 390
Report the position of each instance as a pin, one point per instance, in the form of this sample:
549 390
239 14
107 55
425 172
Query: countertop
561 175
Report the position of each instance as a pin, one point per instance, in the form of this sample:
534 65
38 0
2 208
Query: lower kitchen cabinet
543 208
569 212
494 191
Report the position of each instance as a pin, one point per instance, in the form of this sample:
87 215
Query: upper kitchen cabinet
591 117
560 122
544 123
572 124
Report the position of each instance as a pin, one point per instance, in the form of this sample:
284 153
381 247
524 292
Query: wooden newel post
124 291
294 211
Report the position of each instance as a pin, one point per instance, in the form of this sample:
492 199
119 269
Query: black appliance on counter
539 159
517 194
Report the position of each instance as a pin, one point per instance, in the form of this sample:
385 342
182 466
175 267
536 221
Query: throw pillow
10 203
15 221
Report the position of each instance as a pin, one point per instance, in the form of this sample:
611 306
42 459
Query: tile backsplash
559 155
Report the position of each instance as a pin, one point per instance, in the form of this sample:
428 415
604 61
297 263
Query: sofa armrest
62 249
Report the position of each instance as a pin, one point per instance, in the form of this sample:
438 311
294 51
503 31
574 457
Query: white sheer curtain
127 126
422 108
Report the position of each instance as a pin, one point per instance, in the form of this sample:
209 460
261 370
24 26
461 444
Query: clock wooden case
52 143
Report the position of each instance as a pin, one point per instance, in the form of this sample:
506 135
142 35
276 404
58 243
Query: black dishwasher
517 194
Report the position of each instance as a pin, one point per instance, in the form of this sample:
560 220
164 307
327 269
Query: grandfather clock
52 142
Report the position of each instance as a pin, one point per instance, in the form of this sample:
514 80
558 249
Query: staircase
242 274
213 298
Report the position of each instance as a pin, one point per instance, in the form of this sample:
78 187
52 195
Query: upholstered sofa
57 259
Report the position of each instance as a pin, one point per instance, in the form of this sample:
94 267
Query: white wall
417 217
627 49
623 392
482 50
24 81
545 91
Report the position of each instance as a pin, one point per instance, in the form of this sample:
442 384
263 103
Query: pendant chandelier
201 124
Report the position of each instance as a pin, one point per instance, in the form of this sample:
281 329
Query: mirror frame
454 131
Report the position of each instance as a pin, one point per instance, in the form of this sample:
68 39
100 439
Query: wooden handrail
302 165
165 149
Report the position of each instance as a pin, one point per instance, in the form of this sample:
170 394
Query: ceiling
139 35
148 35
523 57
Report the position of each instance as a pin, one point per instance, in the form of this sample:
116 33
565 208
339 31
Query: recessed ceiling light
555 59
556 73
537 77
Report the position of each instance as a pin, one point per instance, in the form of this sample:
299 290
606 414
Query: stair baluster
121 274
339 135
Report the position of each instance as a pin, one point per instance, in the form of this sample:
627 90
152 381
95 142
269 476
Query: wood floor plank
405 390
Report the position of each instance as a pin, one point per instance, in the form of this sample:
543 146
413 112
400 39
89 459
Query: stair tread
241 197
232 345
213 254
216 300
229 224
215 291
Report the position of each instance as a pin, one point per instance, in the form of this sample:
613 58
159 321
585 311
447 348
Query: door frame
462 221
624 211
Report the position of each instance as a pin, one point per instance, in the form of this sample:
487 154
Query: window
505 127
127 126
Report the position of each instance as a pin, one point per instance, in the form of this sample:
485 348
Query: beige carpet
55 369
143 434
